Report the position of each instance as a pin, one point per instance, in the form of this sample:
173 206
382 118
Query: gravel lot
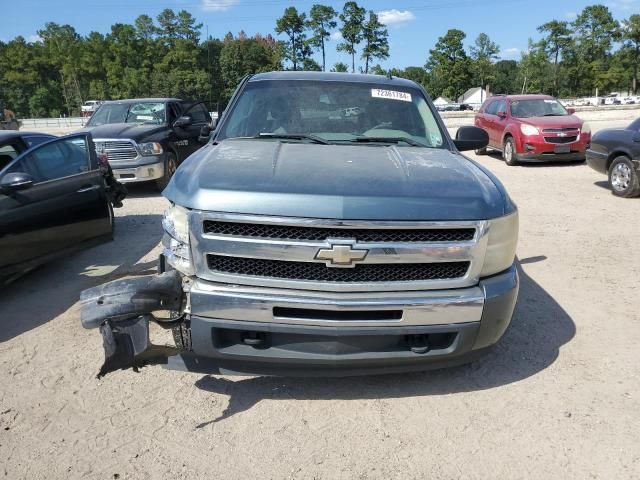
559 397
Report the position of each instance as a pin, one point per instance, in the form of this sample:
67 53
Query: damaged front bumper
122 309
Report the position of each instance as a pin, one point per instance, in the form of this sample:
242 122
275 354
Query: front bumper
536 149
141 169
269 332
597 160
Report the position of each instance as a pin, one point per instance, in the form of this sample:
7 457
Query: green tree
321 22
631 37
145 27
506 77
352 18
557 39
376 40
483 53
292 24
340 67
448 66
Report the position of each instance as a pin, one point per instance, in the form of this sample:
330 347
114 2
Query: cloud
218 5
571 15
510 54
336 36
395 17
34 38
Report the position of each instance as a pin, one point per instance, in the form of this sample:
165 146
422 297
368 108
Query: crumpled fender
130 297
122 309
127 345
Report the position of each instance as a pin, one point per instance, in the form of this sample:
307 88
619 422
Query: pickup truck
145 139
330 227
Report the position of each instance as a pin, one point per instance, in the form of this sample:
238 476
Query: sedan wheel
623 178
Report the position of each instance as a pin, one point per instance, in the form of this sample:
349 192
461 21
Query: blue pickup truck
330 226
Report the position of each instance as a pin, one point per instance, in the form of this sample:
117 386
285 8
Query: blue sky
414 26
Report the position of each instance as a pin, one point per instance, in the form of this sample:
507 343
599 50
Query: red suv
532 128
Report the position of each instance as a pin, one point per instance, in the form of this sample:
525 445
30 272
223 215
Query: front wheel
623 178
509 152
170 167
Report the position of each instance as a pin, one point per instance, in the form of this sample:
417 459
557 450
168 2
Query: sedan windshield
537 108
333 112
142 112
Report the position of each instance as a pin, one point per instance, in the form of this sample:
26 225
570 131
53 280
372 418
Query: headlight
586 128
527 129
175 242
150 148
501 247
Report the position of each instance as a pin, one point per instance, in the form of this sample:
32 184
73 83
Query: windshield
537 108
333 112
142 112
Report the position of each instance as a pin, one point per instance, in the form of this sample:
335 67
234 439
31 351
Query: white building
473 96
441 101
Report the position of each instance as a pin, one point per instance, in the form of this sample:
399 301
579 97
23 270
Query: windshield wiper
294 136
409 141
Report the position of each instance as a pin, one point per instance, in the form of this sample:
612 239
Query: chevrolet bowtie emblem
341 255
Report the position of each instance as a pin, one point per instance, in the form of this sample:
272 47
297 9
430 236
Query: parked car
89 107
304 241
146 139
532 128
52 200
616 153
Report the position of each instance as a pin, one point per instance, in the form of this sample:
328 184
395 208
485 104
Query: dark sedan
52 199
616 153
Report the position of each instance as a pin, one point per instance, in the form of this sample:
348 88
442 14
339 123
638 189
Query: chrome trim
115 161
203 244
232 302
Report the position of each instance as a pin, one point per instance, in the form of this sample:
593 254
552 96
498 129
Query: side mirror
12 182
471 138
183 121
502 114
571 110
205 132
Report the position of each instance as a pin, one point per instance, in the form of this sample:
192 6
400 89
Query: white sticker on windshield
390 94
550 101
145 117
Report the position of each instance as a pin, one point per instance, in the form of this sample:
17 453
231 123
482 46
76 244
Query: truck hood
133 131
359 182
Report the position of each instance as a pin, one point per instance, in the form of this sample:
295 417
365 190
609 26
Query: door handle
88 188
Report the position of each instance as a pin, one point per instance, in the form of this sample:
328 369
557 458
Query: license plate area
562 149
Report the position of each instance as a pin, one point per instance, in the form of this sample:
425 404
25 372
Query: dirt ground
559 397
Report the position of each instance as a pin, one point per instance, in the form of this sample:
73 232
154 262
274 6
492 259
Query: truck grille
117 149
320 233
362 273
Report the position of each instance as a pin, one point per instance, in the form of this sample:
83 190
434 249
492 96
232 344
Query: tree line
165 56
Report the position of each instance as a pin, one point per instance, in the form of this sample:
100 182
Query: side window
199 114
501 106
174 113
33 140
492 108
7 154
55 160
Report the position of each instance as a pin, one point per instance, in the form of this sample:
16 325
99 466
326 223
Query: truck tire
623 178
509 152
182 337
169 169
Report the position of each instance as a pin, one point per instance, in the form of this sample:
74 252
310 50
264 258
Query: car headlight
150 148
501 247
586 128
175 241
527 129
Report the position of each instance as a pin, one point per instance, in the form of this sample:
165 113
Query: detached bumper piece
122 309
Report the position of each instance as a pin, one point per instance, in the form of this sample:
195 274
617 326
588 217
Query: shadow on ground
540 327
142 190
498 156
41 295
